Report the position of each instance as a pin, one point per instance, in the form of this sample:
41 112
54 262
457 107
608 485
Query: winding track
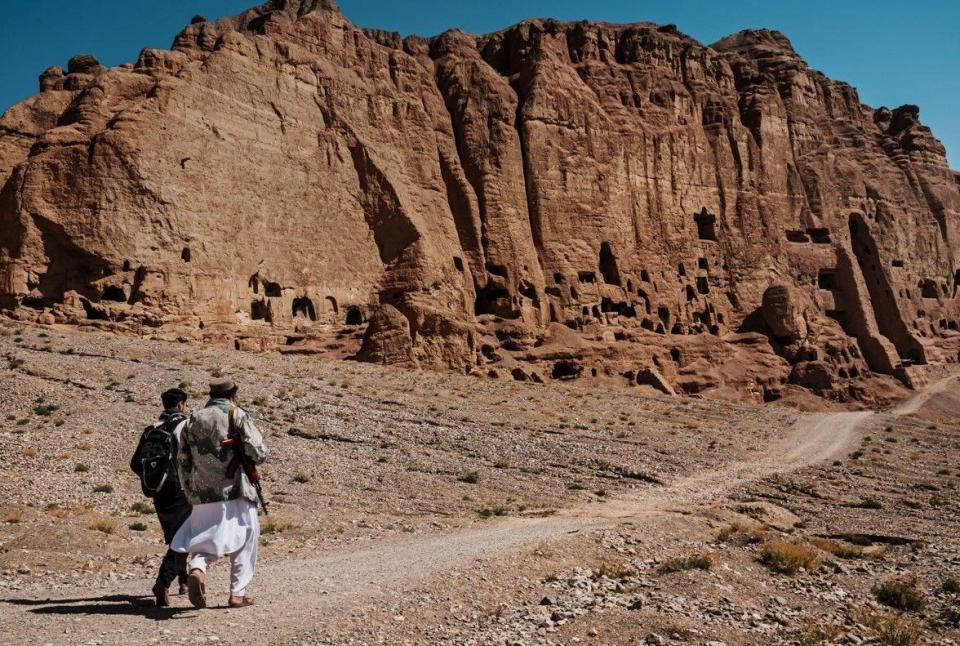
295 593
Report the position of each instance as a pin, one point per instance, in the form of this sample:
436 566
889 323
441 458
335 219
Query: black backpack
158 459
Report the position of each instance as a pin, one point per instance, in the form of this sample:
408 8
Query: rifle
240 458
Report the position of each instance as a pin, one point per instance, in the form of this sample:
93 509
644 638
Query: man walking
155 461
215 443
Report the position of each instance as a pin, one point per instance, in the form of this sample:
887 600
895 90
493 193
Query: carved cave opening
303 308
354 315
819 235
260 311
566 370
493 300
608 265
703 285
113 293
928 288
706 225
827 279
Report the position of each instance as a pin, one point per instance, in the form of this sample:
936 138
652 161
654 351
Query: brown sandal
197 588
240 602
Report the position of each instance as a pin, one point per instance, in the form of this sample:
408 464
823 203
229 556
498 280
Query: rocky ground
416 507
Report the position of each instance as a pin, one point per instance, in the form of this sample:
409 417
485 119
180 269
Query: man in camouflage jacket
224 521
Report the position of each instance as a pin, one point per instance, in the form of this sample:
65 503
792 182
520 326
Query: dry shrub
814 631
14 517
103 525
892 629
789 558
741 533
56 510
682 564
276 527
845 550
902 594
30 452
615 570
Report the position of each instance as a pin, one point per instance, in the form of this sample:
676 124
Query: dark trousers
172 512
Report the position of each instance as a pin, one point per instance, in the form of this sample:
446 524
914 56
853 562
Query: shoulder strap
231 420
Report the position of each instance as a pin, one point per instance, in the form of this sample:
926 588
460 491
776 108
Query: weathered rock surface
601 201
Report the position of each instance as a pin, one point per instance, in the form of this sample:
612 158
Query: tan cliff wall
552 200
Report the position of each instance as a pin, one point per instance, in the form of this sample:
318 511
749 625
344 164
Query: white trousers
219 529
243 563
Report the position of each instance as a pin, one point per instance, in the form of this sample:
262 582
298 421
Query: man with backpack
155 461
219 450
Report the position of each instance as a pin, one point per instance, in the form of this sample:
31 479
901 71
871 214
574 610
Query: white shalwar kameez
218 529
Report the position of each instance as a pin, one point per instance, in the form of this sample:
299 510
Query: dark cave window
706 225
303 308
354 315
608 265
114 293
827 279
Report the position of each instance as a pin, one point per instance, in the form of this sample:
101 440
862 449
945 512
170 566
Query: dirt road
295 592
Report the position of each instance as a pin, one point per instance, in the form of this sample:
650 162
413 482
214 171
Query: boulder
815 375
783 313
83 64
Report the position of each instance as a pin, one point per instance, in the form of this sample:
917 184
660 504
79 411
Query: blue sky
893 52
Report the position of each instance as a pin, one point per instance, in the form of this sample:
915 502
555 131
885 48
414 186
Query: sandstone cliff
555 200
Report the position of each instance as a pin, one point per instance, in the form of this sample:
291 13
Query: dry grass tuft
103 525
845 550
682 564
142 507
14 517
902 594
741 533
276 527
892 629
789 558
615 570
814 631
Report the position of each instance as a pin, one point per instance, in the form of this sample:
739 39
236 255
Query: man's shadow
112 604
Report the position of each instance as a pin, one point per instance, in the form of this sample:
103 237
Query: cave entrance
303 308
493 299
566 370
260 311
354 315
884 305
332 304
706 225
608 265
114 293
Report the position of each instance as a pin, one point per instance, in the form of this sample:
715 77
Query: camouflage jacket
203 463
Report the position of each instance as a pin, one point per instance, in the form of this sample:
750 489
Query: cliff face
550 201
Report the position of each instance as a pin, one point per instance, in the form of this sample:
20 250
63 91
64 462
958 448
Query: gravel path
297 593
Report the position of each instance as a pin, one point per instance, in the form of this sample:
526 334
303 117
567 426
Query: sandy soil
416 507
